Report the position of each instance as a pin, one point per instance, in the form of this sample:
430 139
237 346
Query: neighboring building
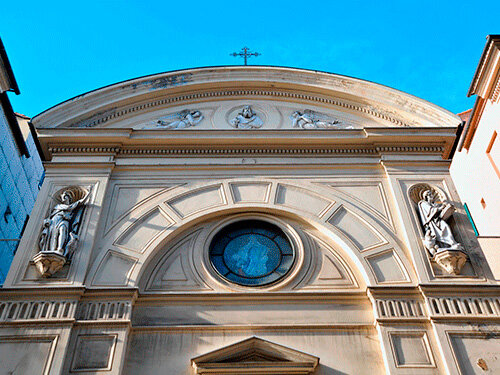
20 168
248 220
476 163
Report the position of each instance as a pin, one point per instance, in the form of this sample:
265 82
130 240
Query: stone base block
451 261
48 264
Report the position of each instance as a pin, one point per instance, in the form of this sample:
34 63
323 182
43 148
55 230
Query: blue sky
426 48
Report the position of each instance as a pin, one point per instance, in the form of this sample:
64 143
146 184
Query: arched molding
366 243
187 87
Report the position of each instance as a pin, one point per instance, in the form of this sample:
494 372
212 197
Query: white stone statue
247 119
59 235
181 120
309 119
438 235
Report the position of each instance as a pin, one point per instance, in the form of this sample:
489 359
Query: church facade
248 220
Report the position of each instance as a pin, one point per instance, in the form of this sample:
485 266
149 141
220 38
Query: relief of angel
309 119
181 120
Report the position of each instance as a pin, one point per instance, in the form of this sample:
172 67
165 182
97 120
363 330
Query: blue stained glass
251 253
264 232
283 244
220 246
218 262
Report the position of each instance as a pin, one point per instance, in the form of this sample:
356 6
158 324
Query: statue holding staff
59 233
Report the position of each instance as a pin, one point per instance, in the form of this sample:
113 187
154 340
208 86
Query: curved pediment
216 99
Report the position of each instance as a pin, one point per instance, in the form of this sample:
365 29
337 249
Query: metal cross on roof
245 54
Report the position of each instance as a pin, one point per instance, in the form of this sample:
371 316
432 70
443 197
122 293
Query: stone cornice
255 297
217 151
128 142
268 83
391 305
486 75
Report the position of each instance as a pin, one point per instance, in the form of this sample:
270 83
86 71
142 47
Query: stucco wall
474 175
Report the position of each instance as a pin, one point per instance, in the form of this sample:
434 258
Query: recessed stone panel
371 195
250 192
411 349
174 271
25 355
358 231
197 200
330 272
386 267
114 269
93 352
302 199
145 229
477 353
126 197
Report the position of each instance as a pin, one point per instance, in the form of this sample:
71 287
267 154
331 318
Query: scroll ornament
59 237
438 237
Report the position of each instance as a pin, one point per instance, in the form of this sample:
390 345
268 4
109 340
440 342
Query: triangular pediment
255 356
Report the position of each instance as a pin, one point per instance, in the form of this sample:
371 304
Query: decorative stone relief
59 236
434 212
309 119
246 119
180 120
104 310
469 306
396 308
13 311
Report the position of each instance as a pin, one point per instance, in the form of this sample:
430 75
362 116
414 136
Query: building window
251 253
